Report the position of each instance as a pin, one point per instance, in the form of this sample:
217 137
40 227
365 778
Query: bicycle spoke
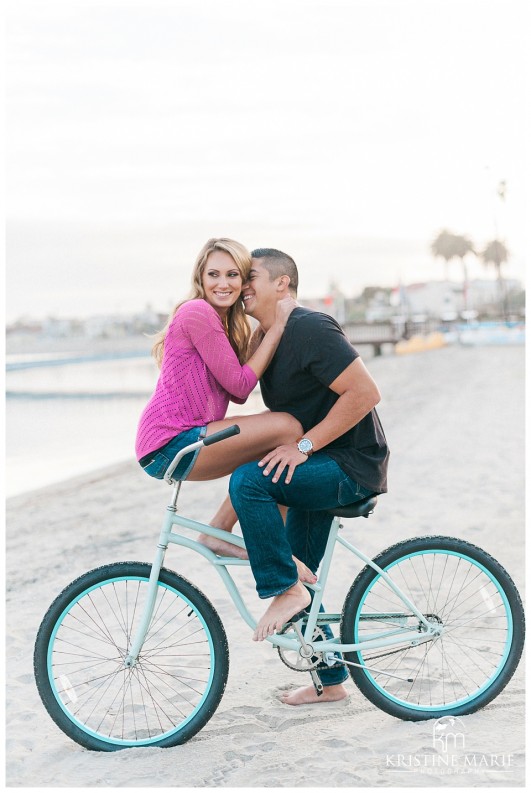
168 681
453 592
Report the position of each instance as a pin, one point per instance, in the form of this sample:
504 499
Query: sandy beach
454 420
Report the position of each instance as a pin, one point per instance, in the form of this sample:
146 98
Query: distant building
25 326
427 303
334 303
380 304
105 326
55 328
446 300
438 299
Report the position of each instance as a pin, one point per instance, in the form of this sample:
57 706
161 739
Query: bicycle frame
176 662
168 536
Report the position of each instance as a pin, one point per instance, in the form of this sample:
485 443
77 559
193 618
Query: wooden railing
374 333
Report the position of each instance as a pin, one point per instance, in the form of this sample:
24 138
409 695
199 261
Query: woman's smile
222 281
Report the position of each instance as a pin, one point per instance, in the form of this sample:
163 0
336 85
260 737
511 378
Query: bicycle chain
391 652
401 649
318 632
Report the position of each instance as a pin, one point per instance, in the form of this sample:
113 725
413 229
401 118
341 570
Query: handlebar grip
228 432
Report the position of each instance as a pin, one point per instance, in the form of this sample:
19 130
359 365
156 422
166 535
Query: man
318 377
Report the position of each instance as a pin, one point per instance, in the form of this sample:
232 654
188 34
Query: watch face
305 445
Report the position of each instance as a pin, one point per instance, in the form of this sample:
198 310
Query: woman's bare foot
282 608
221 547
305 574
307 695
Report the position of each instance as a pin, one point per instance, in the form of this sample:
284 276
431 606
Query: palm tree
450 246
463 246
496 253
443 246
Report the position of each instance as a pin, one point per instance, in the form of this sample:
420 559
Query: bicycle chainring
294 660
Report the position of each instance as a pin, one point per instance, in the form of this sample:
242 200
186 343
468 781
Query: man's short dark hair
277 264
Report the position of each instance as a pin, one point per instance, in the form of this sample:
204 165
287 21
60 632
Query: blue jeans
317 485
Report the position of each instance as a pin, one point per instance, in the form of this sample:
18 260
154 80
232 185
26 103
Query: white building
446 299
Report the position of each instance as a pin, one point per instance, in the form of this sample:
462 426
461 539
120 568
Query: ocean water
67 419
70 413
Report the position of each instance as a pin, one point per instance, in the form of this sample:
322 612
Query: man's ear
284 282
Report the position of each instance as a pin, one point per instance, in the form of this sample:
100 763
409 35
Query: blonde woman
202 355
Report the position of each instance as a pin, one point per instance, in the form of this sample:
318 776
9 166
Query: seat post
175 495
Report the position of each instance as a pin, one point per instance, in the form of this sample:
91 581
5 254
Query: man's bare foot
307 695
305 574
221 547
282 608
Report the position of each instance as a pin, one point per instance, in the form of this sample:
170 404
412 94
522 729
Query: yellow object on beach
433 341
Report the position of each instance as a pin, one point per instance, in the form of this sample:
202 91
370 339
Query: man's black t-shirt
312 353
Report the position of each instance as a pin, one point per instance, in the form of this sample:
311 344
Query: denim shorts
156 464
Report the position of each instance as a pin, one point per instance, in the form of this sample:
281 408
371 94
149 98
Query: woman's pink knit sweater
200 372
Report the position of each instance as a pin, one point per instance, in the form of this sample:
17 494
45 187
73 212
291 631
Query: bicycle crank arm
306 651
316 682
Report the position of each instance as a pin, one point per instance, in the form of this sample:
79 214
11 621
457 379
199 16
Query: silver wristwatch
305 446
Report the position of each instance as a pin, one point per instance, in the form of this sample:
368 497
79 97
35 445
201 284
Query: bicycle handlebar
228 432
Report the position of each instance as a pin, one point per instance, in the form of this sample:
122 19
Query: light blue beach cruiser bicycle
132 654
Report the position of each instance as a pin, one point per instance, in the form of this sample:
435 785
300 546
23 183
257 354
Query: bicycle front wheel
177 682
461 589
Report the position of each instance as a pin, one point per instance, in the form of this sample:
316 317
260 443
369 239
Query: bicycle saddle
359 509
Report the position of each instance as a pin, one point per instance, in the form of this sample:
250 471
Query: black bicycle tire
403 549
99 576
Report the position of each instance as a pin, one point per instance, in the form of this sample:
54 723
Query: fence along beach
453 417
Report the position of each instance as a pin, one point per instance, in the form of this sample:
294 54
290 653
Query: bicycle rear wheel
461 588
177 682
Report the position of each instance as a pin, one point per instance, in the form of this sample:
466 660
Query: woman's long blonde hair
235 321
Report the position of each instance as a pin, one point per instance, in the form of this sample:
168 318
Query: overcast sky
350 132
